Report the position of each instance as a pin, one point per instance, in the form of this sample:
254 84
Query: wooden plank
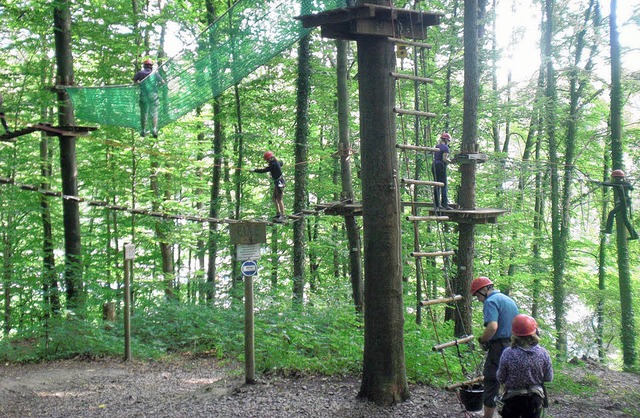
426 219
414 113
433 254
411 43
423 182
424 80
441 300
417 148
471 382
453 343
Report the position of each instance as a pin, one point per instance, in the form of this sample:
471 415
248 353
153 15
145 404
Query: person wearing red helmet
439 170
524 368
498 312
149 81
622 203
274 168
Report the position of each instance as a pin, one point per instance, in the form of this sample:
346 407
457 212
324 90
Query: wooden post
129 250
249 337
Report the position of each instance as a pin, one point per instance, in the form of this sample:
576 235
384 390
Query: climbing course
246 37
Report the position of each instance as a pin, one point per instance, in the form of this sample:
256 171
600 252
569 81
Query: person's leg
491 384
144 110
154 120
436 190
633 235
609 227
4 123
442 176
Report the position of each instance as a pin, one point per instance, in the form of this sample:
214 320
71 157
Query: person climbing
622 202
148 99
498 313
2 117
439 170
274 168
524 367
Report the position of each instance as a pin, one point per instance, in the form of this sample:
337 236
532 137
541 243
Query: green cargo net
246 37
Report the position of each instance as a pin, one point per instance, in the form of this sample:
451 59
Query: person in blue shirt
274 168
148 80
439 170
498 311
524 367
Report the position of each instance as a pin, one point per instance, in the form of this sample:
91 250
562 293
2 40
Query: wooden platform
475 216
372 20
340 208
49 130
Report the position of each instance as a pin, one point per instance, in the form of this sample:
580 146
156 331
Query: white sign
248 252
129 251
249 268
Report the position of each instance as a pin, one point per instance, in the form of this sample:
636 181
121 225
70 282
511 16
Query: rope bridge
246 37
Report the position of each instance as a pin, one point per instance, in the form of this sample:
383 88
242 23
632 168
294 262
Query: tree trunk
68 166
628 331
353 233
384 379
466 243
301 168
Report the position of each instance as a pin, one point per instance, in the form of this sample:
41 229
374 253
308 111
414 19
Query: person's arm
261 170
489 331
445 157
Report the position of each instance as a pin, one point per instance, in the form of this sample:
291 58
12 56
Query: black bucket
471 397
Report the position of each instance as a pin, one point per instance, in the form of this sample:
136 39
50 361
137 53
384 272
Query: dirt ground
200 387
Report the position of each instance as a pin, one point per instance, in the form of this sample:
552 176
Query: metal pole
127 309
249 352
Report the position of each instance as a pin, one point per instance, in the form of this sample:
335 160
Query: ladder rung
423 182
411 77
411 43
440 300
414 113
418 148
453 343
425 219
433 254
471 382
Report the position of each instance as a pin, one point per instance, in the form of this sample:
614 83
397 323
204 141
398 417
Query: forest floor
202 387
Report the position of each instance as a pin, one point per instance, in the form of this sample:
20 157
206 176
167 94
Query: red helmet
478 283
268 155
523 325
617 173
147 62
446 136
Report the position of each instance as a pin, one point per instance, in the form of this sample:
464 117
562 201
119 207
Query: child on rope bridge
148 97
622 203
4 120
275 169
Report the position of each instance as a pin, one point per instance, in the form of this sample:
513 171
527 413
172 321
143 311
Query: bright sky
524 18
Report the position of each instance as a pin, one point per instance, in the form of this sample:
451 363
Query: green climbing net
247 36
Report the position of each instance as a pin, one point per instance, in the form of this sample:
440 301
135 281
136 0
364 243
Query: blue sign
249 268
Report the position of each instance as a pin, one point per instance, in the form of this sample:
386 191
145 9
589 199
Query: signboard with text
248 233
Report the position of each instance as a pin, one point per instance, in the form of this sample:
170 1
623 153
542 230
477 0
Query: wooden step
414 113
433 254
410 43
423 182
453 343
469 383
441 300
417 148
426 219
411 77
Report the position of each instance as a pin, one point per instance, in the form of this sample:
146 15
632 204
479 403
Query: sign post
129 253
248 236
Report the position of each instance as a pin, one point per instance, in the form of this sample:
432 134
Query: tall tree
384 378
301 154
68 165
628 333
344 147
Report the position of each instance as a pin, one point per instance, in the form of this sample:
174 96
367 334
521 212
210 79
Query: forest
557 110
